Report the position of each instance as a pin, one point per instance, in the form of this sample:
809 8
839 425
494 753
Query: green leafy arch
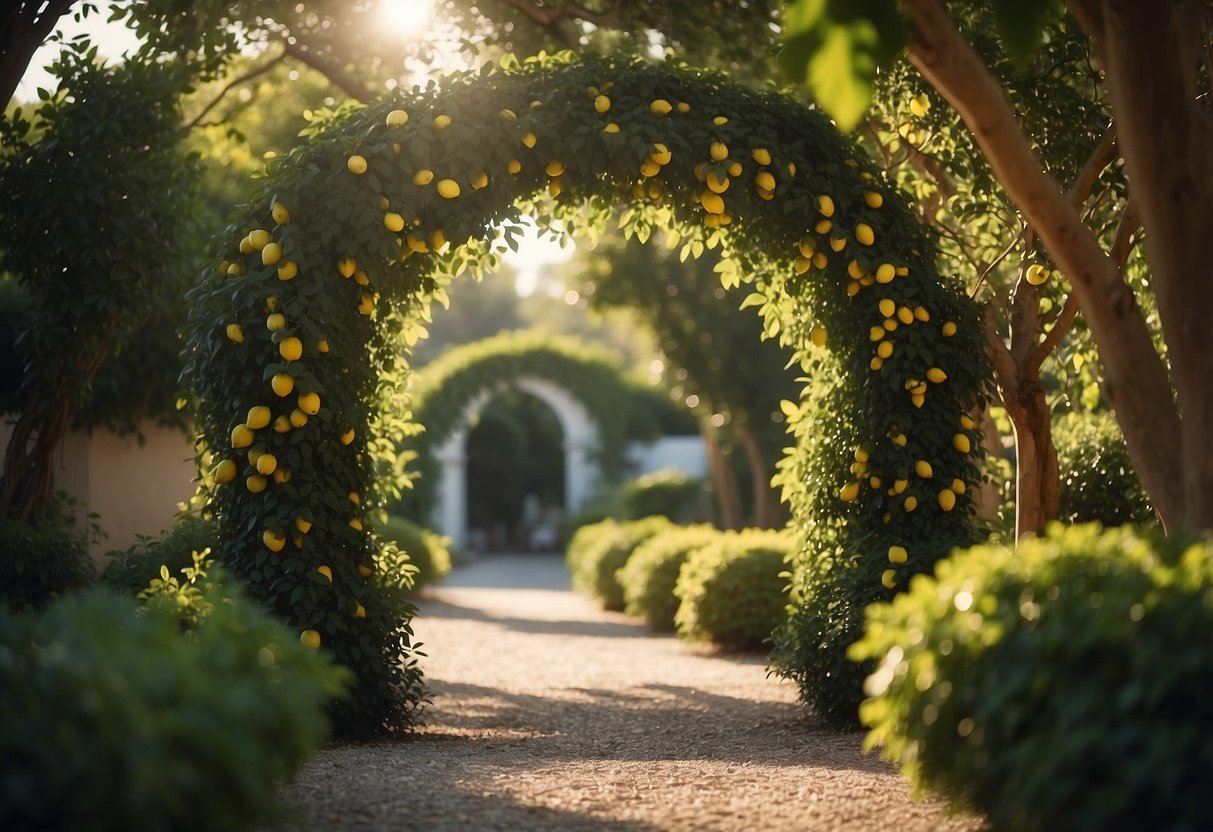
294 341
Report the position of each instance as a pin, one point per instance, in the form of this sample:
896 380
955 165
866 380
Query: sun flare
409 17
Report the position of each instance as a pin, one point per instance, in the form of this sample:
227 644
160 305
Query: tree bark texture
724 482
765 505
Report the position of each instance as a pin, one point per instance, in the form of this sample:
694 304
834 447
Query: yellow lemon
660 107
255 483
346 266
397 118
961 443
837 243
259 239
415 243
885 273
823 226
923 469
936 376
356 164
280 213
761 155
355 524
683 107
273 539
266 464
359 611
887 307
876 363
242 436
864 234
448 188
611 127
825 205
885 349
310 638
919 105
326 571
442 121
303 524
905 315
602 104
365 571
322 345
347 437
224 472
246 247
911 503
353 497
888 579
958 486
876 333
529 139
393 222
366 304
900 486
661 154
514 166
291 348
480 181
288 270
258 417
283 384
966 422
717 182
282 424
275 322
898 554
423 177
719 151
947 499
921 314
1037 274
555 186
298 418
712 203
235 269
802 265
508 114
849 492
765 180
720 121
235 333
309 403
271 254
554 168
948 329
818 336
873 199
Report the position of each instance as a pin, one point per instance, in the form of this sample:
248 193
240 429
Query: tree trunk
766 507
724 482
25 27
1036 481
987 500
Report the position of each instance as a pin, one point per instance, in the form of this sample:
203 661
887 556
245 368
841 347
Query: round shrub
1060 685
111 719
668 492
43 561
1097 480
649 577
132 569
732 591
427 551
599 550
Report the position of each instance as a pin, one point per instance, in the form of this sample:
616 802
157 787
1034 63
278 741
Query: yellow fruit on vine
876 363
899 486
255 483
555 186
888 579
905 315
508 114
282 424
661 154
936 376
864 234
280 213
711 202
275 322
310 638
309 403
365 571
947 499
649 168
322 345
948 329
253 455
966 422
393 222
356 164
246 247
885 273
423 177
719 151
283 384
355 524
415 243
899 440
1037 274
861 454
873 199
961 443
271 253
919 105
235 270
346 266
898 554
353 497
448 188
514 166
480 181
876 333
765 180
918 399
683 107
303 524
298 418
224 472
366 304
242 436
266 464
819 336
442 121
359 611
326 571
837 243
611 127
347 437
274 539
761 155
717 182
911 503
734 169
802 265
602 104
823 226
288 270
887 307
554 168
849 492
660 107
529 139
258 417
885 349
720 121
923 469
397 118
825 205
259 239
235 333
291 348
437 240
958 486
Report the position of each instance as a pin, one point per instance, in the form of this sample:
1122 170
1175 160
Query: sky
534 254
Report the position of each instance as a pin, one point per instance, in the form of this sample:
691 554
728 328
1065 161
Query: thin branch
1104 154
350 86
1045 348
1122 245
1006 373
235 82
1006 252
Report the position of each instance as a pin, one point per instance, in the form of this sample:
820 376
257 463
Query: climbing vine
295 332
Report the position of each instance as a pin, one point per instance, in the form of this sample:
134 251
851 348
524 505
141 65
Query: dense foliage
668 492
598 551
1097 479
732 591
111 719
335 260
1058 685
651 573
44 560
430 553
131 569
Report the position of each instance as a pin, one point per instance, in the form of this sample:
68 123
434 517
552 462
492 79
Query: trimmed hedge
111 719
1097 479
668 492
651 573
1060 685
427 551
733 591
599 550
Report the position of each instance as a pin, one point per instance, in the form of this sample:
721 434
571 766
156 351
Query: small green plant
132 569
430 553
649 577
669 492
732 591
112 719
1063 684
599 550
187 597
49 558
1097 480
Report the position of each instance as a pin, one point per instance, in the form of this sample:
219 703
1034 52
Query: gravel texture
549 714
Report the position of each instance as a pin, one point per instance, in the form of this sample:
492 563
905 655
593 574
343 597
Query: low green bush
131 569
1097 479
649 576
112 719
39 562
668 492
732 591
599 550
429 552
1063 684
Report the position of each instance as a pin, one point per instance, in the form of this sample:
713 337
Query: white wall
684 453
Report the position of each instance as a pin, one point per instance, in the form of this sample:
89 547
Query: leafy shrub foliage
733 591
651 573
600 550
668 492
42 561
132 569
430 553
112 720
1060 685
1098 482
336 258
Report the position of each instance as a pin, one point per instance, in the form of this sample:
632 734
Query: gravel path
551 715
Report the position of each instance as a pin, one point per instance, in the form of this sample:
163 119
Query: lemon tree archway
294 338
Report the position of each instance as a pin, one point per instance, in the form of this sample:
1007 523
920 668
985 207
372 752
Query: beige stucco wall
134 488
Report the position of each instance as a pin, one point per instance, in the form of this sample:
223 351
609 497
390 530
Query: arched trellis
567 374
293 336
